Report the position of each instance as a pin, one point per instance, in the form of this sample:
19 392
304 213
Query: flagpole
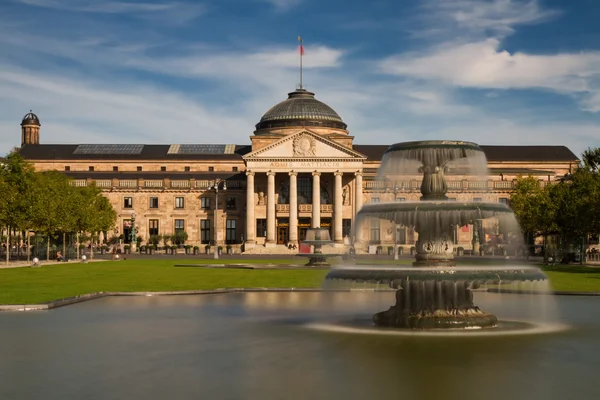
301 54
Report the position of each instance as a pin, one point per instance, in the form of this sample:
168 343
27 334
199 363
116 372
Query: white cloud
284 5
498 17
74 111
485 65
172 12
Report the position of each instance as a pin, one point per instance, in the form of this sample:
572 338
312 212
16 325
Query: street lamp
133 235
216 189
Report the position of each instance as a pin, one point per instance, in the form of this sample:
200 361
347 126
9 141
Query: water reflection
235 346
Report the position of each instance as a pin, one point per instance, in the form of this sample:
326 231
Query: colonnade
338 203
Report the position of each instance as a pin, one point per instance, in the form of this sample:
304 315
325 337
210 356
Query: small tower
30 129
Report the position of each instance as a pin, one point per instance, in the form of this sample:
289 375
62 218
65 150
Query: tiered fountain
317 237
434 293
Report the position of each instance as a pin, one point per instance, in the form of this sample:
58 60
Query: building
301 169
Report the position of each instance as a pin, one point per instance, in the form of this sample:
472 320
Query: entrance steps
284 250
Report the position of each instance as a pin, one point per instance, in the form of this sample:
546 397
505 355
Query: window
211 169
374 200
230 233
205 202
205 231
186 169
67 168
346 227
374 232
179 202
261 228
503 200
115 169
179 225
127 202
163 169
153 227
304 189
231 203
401 199
234 169
91 169
477 199
139 169
153 202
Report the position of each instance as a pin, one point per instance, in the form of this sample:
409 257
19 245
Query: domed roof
301 109
30 119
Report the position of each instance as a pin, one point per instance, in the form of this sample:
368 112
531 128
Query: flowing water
262 346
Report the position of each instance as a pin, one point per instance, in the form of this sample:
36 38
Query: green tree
56 202
17 196
535 208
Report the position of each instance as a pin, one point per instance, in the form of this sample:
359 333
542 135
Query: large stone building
301 169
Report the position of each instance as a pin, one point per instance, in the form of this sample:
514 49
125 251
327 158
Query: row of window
205 229
205 202
139 168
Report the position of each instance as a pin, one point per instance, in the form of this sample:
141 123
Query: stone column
293 207
250 220
316 200
337 208
358 191
271 207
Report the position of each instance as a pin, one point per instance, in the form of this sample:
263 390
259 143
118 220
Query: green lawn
37 285
573 278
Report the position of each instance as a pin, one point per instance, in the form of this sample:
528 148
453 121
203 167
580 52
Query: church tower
30 129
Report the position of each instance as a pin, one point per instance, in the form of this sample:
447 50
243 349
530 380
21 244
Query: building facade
301 169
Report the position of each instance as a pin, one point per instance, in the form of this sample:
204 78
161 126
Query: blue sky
158 71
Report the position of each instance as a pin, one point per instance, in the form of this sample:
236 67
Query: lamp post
216 189
133 235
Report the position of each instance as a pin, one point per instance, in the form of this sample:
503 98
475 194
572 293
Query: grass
38 285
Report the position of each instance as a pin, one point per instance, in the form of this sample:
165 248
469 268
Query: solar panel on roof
109 149
201 149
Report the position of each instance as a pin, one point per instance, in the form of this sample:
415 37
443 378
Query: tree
55 205
590 159
17 196
534 207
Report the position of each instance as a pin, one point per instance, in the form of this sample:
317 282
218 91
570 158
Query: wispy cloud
486 65
176 12
480 17
284 5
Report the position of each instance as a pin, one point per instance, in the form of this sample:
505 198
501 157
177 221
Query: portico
309 180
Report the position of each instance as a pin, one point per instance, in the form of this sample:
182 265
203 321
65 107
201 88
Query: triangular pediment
304 145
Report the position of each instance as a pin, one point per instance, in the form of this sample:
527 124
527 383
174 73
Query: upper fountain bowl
451 157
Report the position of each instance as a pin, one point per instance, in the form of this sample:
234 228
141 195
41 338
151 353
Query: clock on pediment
304 146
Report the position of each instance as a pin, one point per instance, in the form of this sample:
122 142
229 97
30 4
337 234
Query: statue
284 193
345 198
261 198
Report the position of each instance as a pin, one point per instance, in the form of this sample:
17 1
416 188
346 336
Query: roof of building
301 109
130 152
30 119
494 153
165 152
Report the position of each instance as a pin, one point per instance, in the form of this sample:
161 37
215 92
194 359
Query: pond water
260 346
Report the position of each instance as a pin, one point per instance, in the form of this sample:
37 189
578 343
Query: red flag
301 49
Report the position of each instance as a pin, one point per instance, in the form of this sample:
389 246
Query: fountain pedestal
434 305
434 249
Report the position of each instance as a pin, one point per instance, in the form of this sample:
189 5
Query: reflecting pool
264 346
